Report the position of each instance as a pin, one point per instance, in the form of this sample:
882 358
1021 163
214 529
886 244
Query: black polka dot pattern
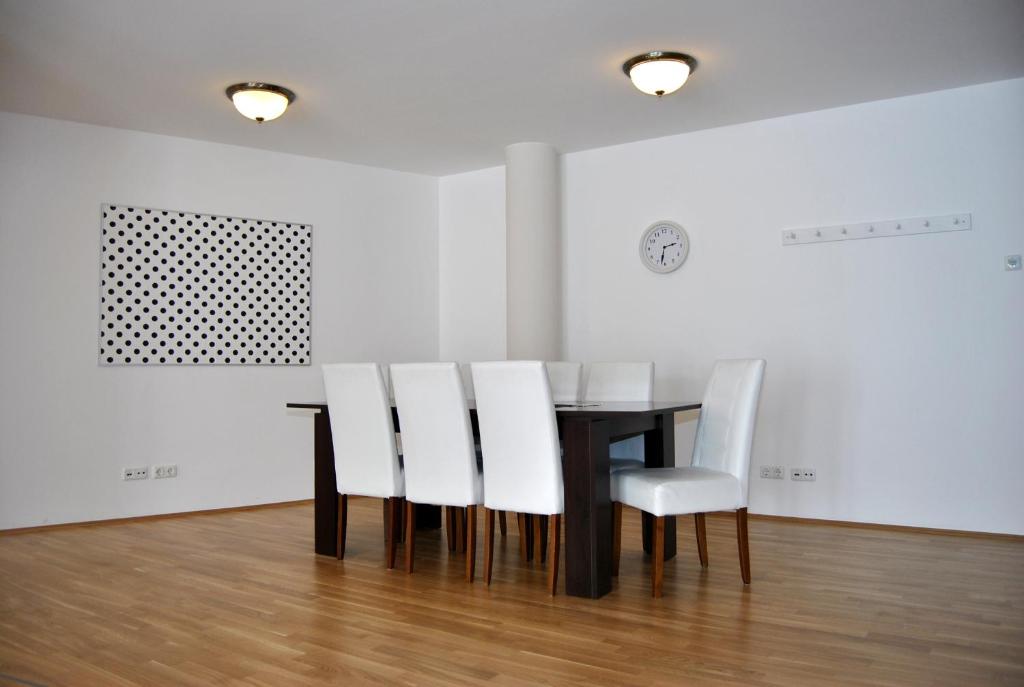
178 288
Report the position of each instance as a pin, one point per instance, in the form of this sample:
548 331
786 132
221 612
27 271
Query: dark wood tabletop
607 409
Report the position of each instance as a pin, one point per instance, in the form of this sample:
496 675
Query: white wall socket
165 471
772 472
802 474
135 473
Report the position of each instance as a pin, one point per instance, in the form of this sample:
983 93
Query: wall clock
664 247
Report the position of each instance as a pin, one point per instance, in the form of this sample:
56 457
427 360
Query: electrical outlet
164 471
772 472
135 473
802 474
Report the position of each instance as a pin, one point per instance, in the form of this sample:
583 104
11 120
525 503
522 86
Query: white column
533 258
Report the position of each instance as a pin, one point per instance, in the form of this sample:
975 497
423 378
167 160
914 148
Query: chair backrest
437 437
519 437
728 414
466 371
565 381
365 456
620 382
385 372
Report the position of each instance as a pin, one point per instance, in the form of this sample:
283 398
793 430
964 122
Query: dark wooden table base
586 435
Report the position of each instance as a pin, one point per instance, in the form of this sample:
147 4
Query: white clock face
664 247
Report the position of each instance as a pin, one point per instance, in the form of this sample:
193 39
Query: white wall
895 366
67 426
471 265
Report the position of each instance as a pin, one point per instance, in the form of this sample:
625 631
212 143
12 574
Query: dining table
586 430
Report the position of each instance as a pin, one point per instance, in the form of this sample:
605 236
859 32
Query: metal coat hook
880 229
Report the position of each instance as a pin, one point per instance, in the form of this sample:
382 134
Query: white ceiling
441 86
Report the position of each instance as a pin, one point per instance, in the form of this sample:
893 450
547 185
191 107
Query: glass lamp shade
261 106
259 101
658 72
659 76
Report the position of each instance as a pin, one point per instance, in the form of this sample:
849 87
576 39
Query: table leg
526 536
660 451
325 488
428 517
588 508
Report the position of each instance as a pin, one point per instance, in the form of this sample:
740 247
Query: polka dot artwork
178 288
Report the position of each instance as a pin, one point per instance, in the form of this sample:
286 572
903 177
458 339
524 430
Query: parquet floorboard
238 598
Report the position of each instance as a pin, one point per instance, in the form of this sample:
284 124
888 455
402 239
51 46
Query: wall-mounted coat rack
870 230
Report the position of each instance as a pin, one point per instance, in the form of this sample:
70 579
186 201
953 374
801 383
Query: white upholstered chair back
437 437
365 456
728 414
385 372
565 379
519 437
620 382
466 372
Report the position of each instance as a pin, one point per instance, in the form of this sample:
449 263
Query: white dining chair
466 370
440 458
365 454
522 463
385 371
631 382
565 380
717 478
466 373
620 382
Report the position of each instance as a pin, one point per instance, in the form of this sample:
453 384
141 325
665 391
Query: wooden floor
239 598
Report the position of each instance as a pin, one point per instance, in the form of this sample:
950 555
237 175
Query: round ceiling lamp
659 73
260 102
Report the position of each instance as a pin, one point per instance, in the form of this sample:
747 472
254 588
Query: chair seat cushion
676 491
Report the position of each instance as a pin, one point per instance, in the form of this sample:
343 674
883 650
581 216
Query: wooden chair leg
488 543
658 563
342 524
702 539
525 553
401 520
616 536
460 529
410 534
470 543
744 544
538 545
543 537
449 527
502 524
394 520
554 541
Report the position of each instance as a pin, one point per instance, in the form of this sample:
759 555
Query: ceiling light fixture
261 102
659 73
